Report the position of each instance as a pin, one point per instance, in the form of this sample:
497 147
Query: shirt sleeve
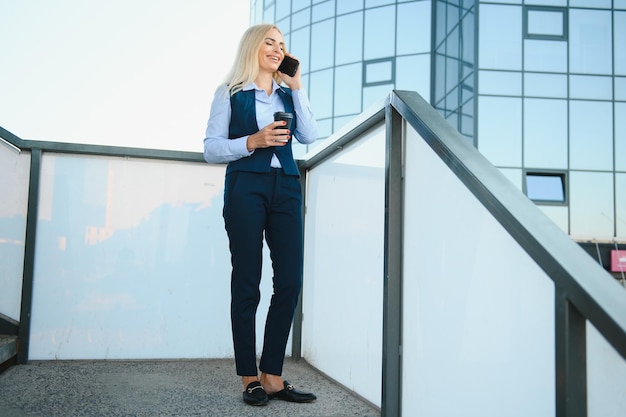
306 128
217 147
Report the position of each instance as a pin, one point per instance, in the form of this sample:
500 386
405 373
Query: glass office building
537 86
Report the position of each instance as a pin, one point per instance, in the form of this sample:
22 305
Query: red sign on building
618 261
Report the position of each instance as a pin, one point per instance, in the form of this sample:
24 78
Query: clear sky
137 73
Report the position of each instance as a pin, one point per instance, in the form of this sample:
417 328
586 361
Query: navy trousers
258 205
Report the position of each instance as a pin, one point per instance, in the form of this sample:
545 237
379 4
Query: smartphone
289 66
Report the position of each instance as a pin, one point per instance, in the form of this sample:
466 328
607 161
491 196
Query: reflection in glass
505 83
591 135
299 4
413 74
268 13
322 94
620 205
545 133
348 87
591 3
283 9
620 88
346 6
500 37
300 46
302 18
620 137
413 28
545 187
372 95
380 71
322 44
468 37
324 128
590 41
591 204
619 36
545 2
542 55
452 44
545 85
546 22
440 80
454 65
499 130
339 122
514 175
467 120
323 11
452 15
379 38
591 87
375 3
440 25
349 38
452 76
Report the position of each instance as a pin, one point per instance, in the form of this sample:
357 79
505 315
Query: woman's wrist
249 144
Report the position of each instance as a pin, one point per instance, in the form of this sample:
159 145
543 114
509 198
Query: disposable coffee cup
286 117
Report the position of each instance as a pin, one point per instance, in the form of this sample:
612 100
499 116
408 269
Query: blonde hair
245 69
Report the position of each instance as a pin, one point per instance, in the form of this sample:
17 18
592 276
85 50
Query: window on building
378 72
548 23
546 187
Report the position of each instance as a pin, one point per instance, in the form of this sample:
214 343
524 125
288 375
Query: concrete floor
161 388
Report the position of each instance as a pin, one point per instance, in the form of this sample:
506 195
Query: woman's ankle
246 380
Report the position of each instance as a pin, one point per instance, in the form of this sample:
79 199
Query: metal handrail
102 150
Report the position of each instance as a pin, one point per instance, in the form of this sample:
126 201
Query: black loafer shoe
291 394
255 394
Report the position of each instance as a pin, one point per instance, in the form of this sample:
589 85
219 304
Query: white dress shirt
219 149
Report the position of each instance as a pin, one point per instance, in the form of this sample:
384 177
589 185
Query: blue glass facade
354 51
537 86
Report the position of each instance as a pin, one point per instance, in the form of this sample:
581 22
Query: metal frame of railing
582 292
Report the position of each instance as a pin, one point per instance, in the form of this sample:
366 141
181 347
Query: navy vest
243 123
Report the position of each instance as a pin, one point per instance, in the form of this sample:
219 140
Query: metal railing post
29 256
392 292
571 358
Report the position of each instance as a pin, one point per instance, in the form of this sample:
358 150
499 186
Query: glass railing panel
606 377
132 260
343 272
478 312
14 177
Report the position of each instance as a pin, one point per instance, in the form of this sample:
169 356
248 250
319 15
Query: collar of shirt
266 105
253 86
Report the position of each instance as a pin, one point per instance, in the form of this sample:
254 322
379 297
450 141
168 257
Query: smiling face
272 51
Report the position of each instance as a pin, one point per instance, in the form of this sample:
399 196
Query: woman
262 198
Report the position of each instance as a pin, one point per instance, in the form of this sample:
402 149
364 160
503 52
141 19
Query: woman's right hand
271 135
